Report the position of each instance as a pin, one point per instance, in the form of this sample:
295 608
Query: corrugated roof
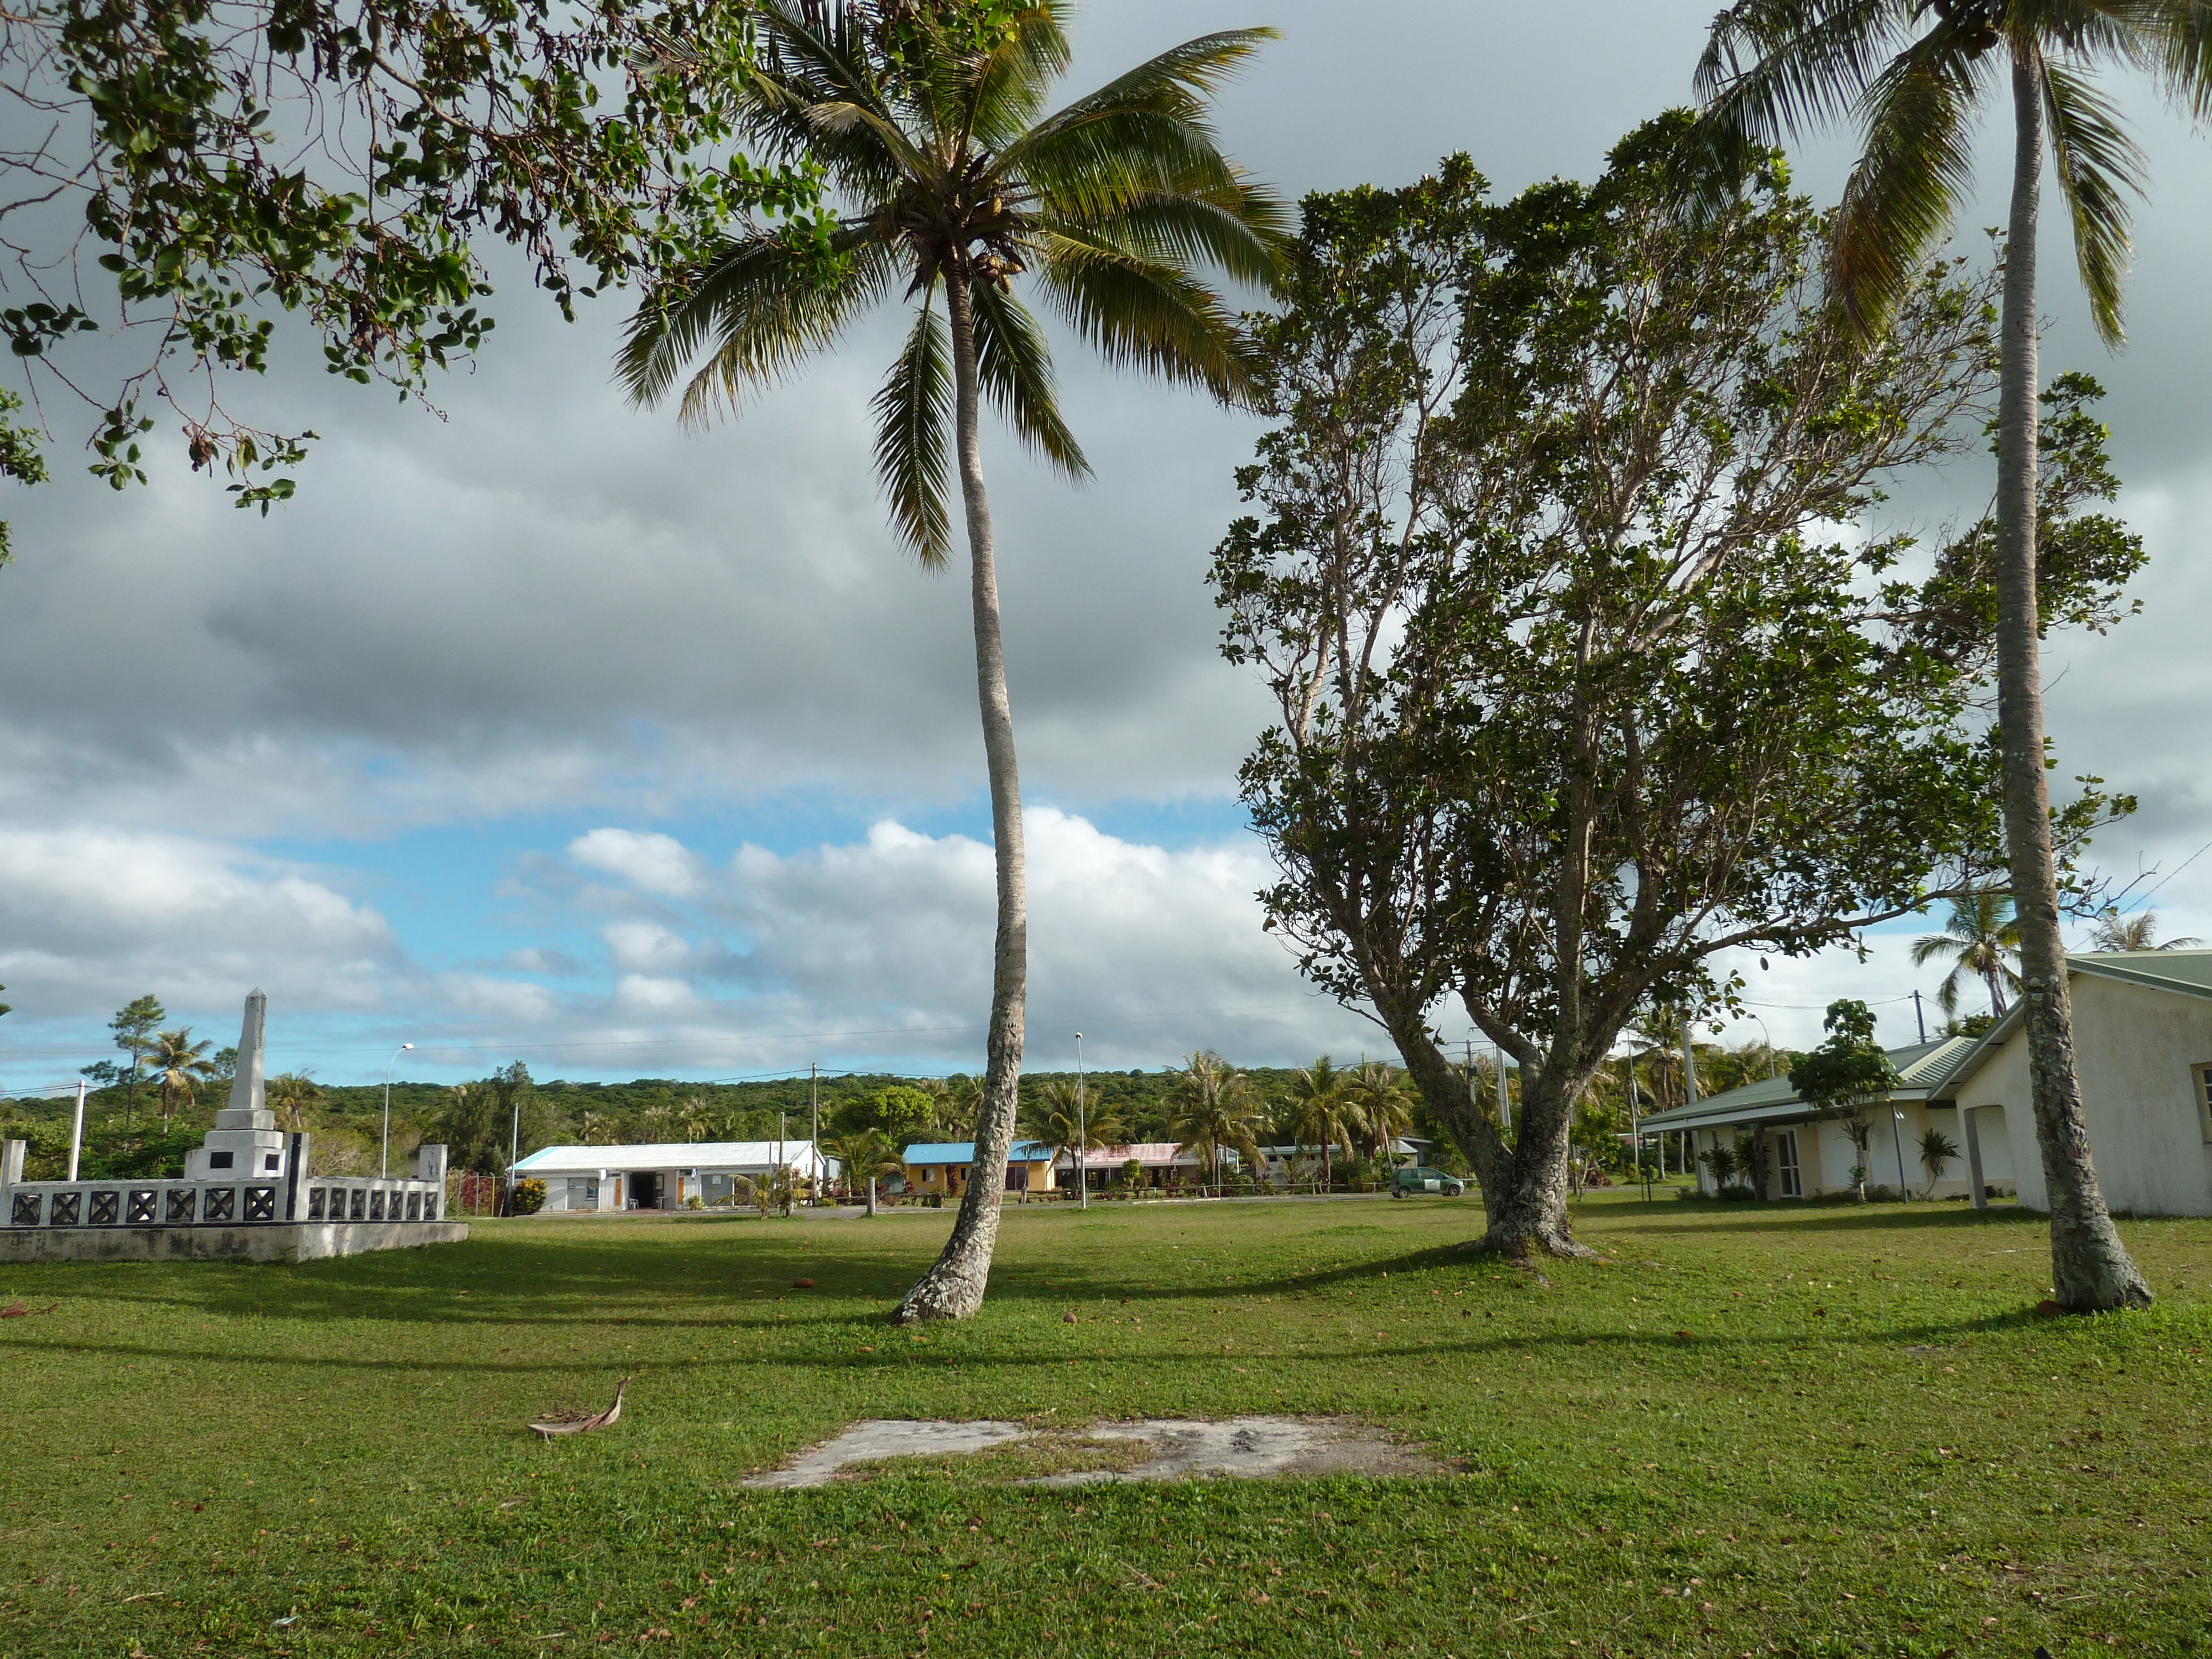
2183 973
1921 1069
667 1155
963 1152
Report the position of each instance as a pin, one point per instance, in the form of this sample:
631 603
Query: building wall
1826 1154
2137 1048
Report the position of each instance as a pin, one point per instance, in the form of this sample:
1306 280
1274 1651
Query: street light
1082 1135
384 1162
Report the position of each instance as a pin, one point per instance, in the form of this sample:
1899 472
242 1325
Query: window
2204 1100
218 1160
1785 1164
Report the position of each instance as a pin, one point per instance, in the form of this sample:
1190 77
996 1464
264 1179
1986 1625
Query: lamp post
1897 1137
384 1160
1082 1135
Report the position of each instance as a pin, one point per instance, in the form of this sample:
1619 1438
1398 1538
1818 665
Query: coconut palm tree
289 1094
863 1156
927 118
1981 938
1379 1094
1322 1114
1055 1119
1915 75
1217 1112
2113 931
178 1063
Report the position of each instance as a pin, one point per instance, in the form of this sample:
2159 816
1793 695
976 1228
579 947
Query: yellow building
941 1167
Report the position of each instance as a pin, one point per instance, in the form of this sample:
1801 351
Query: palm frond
1772 70
914 412
813 97
1246 237
1916 166
1176 83
2179 53
765 304
1014 364
1008 88
1145 313
2098 164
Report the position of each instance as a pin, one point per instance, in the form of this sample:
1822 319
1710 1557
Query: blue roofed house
2142 1039
940 1168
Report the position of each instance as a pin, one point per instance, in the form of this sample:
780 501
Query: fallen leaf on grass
17 1310
547 1429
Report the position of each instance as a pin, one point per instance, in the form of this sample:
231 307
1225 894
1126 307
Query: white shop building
664 1175
2143 1036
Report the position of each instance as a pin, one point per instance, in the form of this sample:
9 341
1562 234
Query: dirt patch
1155 1449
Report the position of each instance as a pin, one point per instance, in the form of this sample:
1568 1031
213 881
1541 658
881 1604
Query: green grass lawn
1818 1430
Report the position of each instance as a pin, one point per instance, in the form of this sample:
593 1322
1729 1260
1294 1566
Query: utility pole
780 1166
1636 1124
1082 1135
76 1128
814 1128
513 1150
1919 1016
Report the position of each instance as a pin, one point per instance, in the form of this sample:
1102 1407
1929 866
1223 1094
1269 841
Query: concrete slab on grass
1185 1449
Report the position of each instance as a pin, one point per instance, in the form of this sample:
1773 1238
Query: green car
1424 1180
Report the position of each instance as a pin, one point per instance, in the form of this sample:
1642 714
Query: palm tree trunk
953 1287
2091 1270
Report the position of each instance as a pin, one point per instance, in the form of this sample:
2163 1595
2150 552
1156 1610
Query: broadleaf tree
951 183
184 174
1580 678
1914 76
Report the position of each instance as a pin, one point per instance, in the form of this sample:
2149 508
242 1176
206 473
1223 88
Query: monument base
283 1241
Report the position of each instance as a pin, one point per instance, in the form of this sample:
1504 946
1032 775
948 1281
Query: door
1786 1171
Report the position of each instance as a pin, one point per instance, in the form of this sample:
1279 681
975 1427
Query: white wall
2136 1048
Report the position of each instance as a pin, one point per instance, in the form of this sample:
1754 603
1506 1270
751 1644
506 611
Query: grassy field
1810 1432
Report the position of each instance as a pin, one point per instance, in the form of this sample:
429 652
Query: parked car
1422 1179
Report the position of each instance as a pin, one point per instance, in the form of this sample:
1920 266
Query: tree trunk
2091 1270
953 1287
1530 1212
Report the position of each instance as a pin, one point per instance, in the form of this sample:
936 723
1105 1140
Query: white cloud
651 863
93 916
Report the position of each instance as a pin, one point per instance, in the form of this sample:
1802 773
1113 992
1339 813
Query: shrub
528 1197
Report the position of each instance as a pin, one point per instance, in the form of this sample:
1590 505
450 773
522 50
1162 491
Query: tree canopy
1578 681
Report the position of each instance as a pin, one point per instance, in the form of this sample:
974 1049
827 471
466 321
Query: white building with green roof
2142 1034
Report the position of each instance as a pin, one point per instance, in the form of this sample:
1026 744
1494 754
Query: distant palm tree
1056 1119
697 1115
2113 931
1215 1112
178 1063
1915 75
289 1094
1981 938
1379 1094
928 121
863 1156
1323 1113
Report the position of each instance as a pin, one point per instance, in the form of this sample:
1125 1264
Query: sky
539 727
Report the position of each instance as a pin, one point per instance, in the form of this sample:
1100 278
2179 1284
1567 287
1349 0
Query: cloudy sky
541 729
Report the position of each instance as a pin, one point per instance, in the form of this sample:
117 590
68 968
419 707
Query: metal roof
2183 973
963 1152
1923 1068
739 1156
